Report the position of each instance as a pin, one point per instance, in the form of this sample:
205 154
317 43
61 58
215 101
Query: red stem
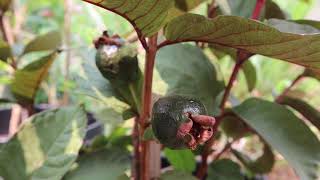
286 91
258 8
146 103
241 58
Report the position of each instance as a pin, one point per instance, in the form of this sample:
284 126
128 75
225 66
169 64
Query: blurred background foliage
83 23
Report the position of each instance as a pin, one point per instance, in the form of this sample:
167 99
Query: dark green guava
169 113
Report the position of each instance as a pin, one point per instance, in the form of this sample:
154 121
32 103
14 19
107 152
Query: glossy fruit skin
121 67
167 115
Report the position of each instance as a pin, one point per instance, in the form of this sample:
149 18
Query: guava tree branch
146 103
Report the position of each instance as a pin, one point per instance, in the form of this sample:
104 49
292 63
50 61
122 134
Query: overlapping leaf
46 146
187 71
148 16
28 79
286 133
249 35
309 112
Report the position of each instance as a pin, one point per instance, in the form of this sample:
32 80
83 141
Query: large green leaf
187 71
28 79
286 133
309 112
224 169
50 41
174 175
147 16
249 35
46 146
105 164
183 160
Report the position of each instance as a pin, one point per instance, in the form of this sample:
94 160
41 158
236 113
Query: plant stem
286 91
241 58
146 104
257 10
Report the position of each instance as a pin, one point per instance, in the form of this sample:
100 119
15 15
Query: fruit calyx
196 130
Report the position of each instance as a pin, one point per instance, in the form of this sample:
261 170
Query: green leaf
187 71
183 160
284 132
147 16
105 164
28 79
174 175
46 145
224 169
309 112
250 74
5 51
246 34
50 41
261 165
